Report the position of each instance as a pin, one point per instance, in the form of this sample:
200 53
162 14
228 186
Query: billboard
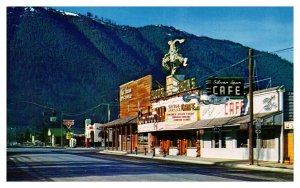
135 96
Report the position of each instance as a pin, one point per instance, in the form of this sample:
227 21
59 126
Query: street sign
257 131
53 119
216 129
68 135
68 123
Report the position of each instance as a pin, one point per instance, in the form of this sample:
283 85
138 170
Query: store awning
121 121
272 118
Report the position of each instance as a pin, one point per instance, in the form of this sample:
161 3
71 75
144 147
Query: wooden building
134 100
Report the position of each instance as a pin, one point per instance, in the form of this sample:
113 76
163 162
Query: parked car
38 143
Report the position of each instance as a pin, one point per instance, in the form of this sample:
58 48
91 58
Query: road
46 164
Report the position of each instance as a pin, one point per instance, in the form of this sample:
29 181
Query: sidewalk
241 164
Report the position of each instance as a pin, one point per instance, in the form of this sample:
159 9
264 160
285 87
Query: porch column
113 138
126 138
116 138
121 133
108 133
130 138
104 138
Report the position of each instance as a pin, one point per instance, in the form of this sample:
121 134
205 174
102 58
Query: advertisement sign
266 102
135 96
225 86
230 108
288 125
181 117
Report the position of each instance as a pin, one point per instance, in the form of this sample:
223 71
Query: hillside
74 62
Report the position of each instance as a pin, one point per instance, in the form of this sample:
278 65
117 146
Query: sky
262 28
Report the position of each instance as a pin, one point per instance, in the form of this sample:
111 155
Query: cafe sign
225 86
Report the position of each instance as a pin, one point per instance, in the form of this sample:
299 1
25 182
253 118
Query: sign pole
251 106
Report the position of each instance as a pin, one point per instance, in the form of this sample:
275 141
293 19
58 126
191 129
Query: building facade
180 119
134 100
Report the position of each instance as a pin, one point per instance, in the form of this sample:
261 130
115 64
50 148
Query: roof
121 121
225 122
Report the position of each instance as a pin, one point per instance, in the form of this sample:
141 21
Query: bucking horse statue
172 59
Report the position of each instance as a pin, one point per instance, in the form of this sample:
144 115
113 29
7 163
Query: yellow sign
68 135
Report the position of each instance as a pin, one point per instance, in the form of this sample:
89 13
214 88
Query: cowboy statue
173 57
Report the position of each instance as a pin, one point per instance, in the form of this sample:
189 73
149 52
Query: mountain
72 62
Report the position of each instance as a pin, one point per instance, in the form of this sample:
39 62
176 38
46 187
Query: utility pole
251 106
108 113
61 129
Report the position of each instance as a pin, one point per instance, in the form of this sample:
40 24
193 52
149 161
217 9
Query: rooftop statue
172 59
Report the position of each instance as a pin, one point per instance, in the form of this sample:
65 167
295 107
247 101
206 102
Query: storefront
224 127
134 100
219 131
169 110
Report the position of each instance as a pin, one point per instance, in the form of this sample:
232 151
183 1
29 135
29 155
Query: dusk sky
262 28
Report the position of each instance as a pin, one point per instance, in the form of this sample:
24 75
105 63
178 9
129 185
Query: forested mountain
72 63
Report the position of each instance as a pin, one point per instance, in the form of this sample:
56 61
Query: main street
49 164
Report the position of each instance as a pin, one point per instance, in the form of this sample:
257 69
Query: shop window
143 139
242 139
216 140
191 142
268 138
174 142
206 141
223 140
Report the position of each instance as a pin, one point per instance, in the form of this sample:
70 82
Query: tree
89 14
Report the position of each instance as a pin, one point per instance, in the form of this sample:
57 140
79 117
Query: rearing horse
173 57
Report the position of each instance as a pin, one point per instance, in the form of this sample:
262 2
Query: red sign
68 123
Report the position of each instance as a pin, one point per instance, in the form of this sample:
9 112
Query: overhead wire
243 60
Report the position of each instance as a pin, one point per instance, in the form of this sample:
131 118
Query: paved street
46 164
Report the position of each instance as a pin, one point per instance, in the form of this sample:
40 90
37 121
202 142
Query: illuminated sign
174 87
187 85
225 86
159 93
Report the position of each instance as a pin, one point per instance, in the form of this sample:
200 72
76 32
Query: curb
222 164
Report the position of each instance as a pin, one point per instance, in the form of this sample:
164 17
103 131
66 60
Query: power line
34 103
284 50
88 110
65 113
243 60
216 72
